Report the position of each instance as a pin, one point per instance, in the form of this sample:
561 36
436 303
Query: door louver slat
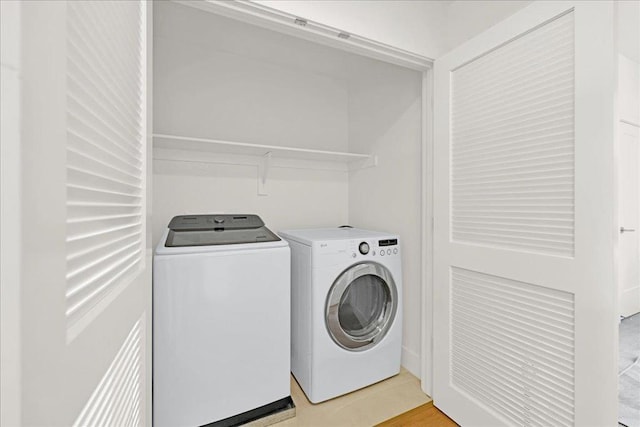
115 400
513 347
105 152
512 134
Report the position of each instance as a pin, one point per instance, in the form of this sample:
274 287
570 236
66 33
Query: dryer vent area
221 87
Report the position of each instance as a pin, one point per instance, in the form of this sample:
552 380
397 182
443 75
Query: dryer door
361 306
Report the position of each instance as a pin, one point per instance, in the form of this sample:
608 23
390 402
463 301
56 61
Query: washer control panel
374 248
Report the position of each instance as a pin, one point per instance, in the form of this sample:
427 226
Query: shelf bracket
263 171
370 162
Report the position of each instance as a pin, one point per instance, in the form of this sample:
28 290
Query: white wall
298 198
416 26
385 119
629 29
628 90
10 208
212 80
468 18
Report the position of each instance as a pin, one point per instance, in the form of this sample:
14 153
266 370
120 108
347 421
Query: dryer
346 309
221 299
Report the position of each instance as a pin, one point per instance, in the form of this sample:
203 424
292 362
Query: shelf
231 147
264 152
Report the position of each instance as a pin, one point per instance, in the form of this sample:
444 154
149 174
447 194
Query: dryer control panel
374 248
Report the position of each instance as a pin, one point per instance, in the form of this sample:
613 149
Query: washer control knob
388 251
381 252
395 250
363 248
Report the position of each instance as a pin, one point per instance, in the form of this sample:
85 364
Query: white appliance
221 322
346 309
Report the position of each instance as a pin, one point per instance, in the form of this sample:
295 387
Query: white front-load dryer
346 309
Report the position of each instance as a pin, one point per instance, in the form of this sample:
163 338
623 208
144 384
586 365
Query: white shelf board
243 148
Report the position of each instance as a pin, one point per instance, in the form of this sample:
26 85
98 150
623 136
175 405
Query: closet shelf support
263 171
369 162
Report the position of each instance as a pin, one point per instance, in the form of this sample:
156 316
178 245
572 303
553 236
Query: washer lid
209 230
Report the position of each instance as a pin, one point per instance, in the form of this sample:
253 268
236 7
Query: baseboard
411 361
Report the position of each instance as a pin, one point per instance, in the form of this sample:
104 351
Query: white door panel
85 261
524 232
629 249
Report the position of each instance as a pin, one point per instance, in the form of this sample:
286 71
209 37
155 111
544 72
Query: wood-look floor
363 408
425 415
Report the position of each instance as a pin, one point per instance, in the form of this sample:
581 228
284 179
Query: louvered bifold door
107 262
523 272
85 301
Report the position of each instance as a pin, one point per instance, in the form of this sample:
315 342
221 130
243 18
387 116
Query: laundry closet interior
251 120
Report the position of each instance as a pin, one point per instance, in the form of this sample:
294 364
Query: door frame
428 182
148 98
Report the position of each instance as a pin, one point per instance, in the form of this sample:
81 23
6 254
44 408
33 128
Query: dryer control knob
364 248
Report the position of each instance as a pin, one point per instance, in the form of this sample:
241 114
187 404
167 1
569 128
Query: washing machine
221 322
346 309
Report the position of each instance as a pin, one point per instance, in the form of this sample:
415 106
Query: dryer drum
361 306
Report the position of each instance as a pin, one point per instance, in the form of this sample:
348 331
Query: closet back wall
385 109
222 79
211 80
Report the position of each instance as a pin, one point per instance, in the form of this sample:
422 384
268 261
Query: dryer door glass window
361 306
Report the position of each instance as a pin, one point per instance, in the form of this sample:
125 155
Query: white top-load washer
346 308
221 322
